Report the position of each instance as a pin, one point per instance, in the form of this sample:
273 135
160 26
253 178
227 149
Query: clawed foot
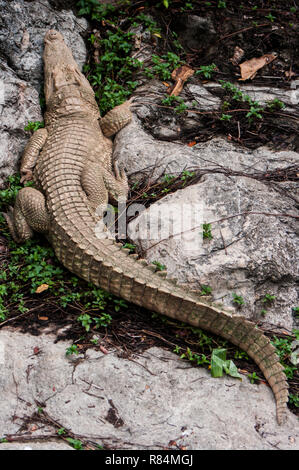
8 216
121 178
27 176
120 175
132 102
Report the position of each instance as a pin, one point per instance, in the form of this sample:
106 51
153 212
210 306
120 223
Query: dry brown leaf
250 67
238 54
43 318
41 288
104 350
180 75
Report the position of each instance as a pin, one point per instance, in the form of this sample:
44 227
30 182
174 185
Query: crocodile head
62 75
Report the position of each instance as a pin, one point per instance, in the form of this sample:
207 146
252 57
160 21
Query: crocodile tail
251 339
109 266
188 307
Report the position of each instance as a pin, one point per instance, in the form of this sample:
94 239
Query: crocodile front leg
28 215
116 119
31 153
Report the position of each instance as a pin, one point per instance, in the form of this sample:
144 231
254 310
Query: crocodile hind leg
100 184
28 215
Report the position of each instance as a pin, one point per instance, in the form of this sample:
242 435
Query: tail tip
282 415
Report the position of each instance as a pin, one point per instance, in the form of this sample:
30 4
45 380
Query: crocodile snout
52 35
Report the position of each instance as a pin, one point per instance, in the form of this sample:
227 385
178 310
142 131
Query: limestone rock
250 255
140 404
22 29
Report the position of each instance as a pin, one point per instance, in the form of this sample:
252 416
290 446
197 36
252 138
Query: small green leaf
231 369
219 363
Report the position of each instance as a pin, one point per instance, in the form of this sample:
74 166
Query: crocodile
70 161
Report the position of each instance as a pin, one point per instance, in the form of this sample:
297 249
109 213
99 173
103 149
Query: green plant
160 267
95 10
85 320
163 66
238 299
8 195
207 231
168 178
75 443
186 175
118 304
255 110
253 377
268 298
270 17
284 350
221 4
130 247
226 117
61 431
219 364
72 350
187 6
294 399
104 320
275 104
206 70
296 333
241 355
296 311
199 359
111 77
34 125
254 113
205 290
149 23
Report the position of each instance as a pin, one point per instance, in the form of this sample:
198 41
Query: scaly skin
71 164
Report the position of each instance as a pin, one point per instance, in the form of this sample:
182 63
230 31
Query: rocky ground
239 180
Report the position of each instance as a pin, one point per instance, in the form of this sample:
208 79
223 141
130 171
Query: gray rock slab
49 445
250 255
22 29
144 403
19 105
143 155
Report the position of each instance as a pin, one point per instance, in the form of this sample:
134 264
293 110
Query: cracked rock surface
250 255
141 404
22 29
